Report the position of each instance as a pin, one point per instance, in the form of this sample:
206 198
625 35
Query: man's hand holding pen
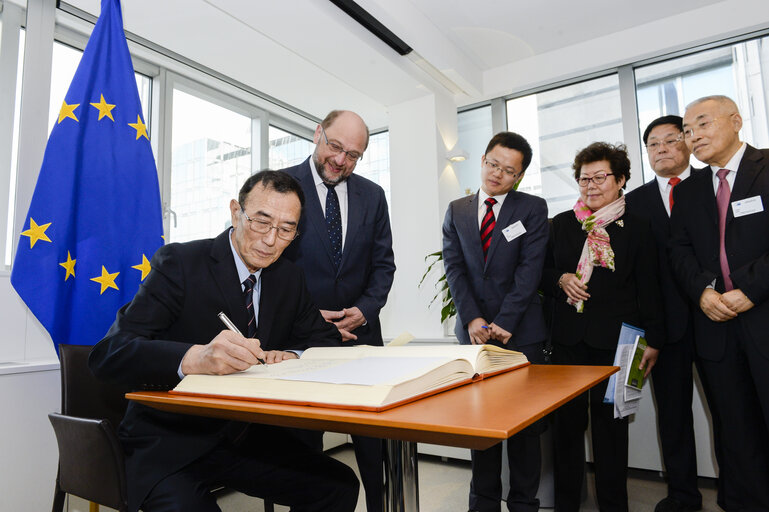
228 352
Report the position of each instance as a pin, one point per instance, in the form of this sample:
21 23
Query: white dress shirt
733 164
482 196
341 194
665 187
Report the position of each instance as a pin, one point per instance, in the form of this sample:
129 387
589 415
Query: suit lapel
225 275
750 168
467 224
267 309
355 216
313 211
706 195
505 215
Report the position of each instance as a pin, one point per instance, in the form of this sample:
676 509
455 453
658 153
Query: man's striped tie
487 225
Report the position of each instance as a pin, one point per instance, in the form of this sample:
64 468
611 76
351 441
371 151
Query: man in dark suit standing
672 376
345 249
493 250
171 329
720 254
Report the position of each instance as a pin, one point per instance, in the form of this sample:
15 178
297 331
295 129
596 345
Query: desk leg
401 483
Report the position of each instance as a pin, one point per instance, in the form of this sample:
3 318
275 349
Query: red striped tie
487 225
673 182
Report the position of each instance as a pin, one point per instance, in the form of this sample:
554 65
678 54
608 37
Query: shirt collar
482 196
734 162
243 272
663 181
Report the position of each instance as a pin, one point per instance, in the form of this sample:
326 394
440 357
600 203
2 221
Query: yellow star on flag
144 267
140 127
106 280
36 232
104 108
67 111
69 266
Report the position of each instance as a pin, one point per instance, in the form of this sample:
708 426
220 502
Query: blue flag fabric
95 218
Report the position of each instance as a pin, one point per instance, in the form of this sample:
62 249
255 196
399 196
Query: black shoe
673 505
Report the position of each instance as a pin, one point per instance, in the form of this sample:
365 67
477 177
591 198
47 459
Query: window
211 158
735 71
65 61
287 149
375 164
14 154
474 130
558 123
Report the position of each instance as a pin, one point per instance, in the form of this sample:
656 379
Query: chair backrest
82 394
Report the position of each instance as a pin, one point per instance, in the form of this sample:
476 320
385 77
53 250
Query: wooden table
476 416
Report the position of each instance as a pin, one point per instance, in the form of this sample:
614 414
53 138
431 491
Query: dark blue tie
334 224
248 296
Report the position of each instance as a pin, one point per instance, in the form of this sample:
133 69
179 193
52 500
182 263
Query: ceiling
310 54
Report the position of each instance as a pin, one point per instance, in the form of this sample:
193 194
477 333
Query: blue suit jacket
502 289
365 275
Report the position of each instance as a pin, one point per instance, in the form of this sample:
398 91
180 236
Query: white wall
28 452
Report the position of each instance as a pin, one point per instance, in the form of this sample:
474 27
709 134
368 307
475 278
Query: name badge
747 206
515 230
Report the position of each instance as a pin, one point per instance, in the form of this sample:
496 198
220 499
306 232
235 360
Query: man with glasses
720 255
672 374
494 245
345 249
171 329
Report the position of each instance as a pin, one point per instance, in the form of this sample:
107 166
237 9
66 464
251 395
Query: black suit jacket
695 250
176 306
365 275
629 294
646 202
503 288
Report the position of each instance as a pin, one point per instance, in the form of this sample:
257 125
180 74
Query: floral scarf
597 249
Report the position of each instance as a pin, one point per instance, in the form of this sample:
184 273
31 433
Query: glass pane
738 71
287 149
211 158
14 152
474 132
375 164
65 62
557 124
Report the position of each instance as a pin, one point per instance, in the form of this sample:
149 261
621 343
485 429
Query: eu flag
95 217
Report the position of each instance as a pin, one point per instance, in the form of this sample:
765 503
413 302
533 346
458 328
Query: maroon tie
487 225
722 201
673 182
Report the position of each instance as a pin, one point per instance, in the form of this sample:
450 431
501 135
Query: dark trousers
369 455
609 438
738 387
673 384
269 463
524 460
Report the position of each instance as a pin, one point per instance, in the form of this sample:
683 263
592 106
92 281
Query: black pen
228 323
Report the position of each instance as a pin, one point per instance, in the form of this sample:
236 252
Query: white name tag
747 206
513 231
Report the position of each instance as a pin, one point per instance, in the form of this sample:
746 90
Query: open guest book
359 377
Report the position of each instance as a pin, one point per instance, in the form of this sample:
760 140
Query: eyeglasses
263 226
336 148
668 143
700 127
597 179
494 166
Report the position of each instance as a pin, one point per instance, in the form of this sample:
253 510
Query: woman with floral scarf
601 268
